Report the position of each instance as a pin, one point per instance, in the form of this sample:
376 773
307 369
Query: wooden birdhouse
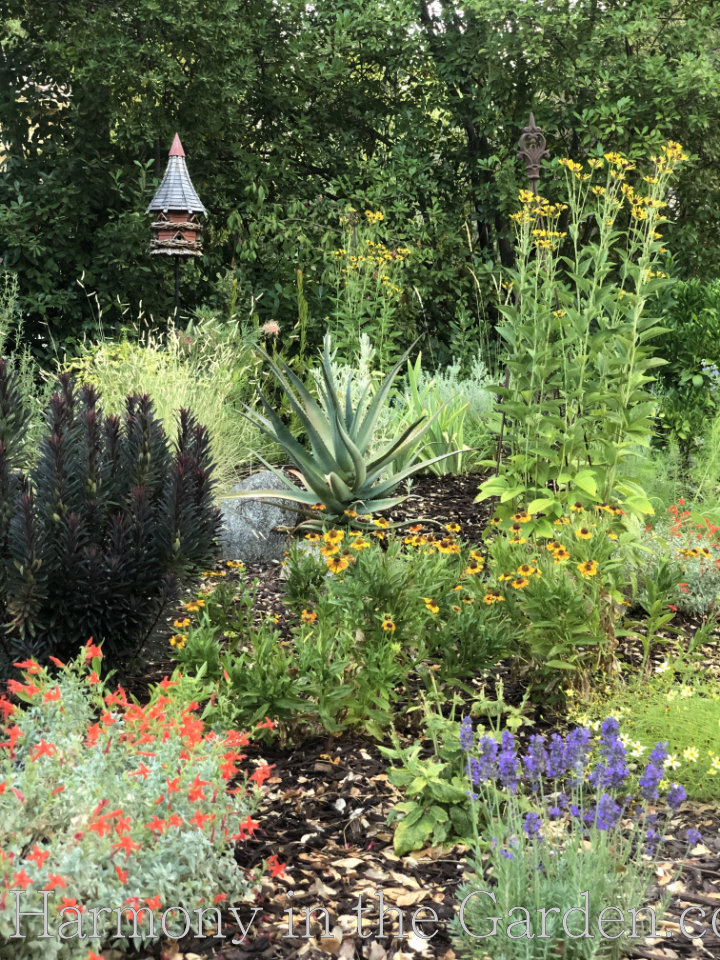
176 227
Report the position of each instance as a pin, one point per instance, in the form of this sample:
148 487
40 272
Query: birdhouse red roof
176 192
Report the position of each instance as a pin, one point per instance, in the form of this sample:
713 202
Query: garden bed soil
324 812
323 815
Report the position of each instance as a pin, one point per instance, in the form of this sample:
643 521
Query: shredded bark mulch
325 808
324 815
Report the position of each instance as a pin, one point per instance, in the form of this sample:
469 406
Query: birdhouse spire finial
176 150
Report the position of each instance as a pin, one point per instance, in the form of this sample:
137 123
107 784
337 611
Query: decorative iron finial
532 151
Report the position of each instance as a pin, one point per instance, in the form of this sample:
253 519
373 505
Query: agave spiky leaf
337 470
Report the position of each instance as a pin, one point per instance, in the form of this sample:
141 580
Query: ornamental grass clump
108 804
565 845
339 472
96 538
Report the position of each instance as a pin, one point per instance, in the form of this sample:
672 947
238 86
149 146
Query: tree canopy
290 112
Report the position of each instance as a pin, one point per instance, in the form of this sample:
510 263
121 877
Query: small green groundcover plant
679 698
106 803
564 827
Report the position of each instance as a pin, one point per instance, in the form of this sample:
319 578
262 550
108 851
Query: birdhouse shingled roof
176 191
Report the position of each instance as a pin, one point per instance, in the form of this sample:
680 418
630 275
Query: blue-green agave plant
337 470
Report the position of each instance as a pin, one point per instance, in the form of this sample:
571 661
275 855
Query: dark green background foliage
689 382
289 113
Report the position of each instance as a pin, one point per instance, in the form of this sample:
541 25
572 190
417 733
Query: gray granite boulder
250 527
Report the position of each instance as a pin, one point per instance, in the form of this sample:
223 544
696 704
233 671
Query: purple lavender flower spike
532 825
508 762
608 813
466 734
557 762
676 796
534 761
650 780
577 751
611 772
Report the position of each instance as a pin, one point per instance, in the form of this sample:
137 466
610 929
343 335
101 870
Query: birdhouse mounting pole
177 286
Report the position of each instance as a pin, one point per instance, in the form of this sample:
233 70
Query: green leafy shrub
687 542
95 539
207 368
436 806
339 472
558 589
690 380
107 804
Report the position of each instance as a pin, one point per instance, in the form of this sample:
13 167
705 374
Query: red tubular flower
261 774
199 819
92 650
127 845
14 733
52 695
121 874
21 879
277 869
22 689
55 881
156 825
71 903
42 749
38 855
122 826
29 665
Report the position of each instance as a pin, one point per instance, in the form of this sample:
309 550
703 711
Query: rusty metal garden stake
531 149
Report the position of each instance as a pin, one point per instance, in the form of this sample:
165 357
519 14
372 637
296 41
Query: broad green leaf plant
579 337
339 472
